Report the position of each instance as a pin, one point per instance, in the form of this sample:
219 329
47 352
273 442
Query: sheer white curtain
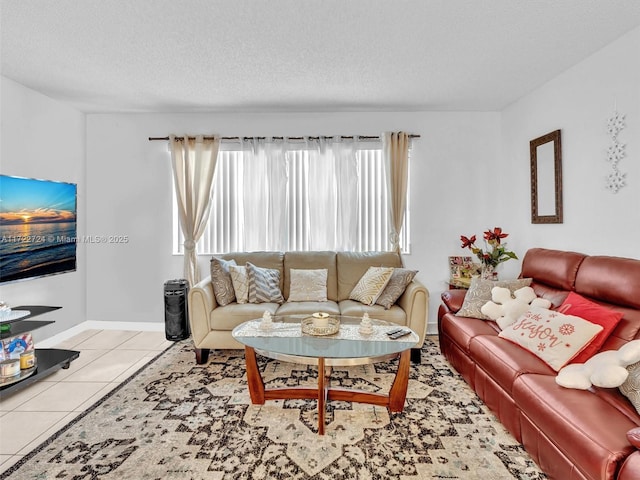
265 194
395 151
193 162
333 193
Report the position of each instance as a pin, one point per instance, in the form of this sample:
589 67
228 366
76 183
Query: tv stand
48 360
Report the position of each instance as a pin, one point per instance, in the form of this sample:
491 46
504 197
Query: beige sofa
211 324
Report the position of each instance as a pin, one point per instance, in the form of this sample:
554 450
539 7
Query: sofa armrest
453 299
633 436
202 302
415 303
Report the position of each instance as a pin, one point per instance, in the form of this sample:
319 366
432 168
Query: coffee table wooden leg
254 379
322 395
398 392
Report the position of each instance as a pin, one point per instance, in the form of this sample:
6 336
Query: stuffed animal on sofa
605 369
505 309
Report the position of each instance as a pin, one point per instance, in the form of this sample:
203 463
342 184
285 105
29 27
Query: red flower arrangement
497 254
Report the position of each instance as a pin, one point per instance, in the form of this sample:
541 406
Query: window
298 198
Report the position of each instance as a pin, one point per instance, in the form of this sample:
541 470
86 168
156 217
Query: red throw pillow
579 306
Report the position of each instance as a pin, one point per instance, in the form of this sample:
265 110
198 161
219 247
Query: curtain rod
360 137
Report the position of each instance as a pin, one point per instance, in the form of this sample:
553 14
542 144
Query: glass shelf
48 360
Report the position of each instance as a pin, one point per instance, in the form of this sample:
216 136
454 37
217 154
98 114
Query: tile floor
107 357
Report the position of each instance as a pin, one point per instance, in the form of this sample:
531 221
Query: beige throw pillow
631 386
398 282
240 283
221 281
479 293
550 335
371 285
308 285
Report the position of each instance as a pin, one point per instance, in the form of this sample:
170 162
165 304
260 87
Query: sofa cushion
312 261
552 336
307 285
400 278
463 329
274 260
587 429
221 281
479 293
264 284
351 266
601 277
395 314
307 308
230 316
371 285
505 361
554 268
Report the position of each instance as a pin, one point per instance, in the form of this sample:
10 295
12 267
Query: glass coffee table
286 341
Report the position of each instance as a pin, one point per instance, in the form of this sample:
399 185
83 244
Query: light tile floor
107 357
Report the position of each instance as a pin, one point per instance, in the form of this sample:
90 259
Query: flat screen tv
37 228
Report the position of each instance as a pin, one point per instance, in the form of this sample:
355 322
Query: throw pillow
400 278
479 293
371 285
308 285
221 281
552 336
631 386
579 306
240 282
605 369
264 284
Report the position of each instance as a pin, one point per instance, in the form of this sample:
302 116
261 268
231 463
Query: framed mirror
546 178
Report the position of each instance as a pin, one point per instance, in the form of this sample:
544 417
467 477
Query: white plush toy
505 309
604 369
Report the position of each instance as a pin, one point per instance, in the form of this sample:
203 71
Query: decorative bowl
332 327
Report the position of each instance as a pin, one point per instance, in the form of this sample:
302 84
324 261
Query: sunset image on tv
37 228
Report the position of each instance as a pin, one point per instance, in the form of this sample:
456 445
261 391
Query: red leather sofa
571 434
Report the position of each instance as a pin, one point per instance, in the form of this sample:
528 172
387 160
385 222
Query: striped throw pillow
371 285
264 285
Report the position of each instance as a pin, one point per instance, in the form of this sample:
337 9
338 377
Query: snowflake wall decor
616 152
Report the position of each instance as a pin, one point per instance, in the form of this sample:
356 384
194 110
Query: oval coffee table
285 341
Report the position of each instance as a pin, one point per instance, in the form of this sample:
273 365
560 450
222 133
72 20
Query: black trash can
176 309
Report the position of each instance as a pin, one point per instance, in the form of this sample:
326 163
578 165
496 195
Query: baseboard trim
100 325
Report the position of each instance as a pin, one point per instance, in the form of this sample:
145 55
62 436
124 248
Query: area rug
175 419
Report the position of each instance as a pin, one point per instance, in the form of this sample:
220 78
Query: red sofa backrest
613 282
553 272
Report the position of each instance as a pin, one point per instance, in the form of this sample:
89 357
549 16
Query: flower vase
489 272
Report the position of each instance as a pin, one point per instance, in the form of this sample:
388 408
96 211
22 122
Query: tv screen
37 228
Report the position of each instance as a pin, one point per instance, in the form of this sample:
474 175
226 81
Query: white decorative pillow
552 336
240 283
308 285
264 284
479 293
604 369
371 285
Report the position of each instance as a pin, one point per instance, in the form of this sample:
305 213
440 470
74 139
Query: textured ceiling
295 55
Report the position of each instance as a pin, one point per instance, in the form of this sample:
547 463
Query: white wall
579 102
129 193
470 172
42 138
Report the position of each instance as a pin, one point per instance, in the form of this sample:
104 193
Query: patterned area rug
178 420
